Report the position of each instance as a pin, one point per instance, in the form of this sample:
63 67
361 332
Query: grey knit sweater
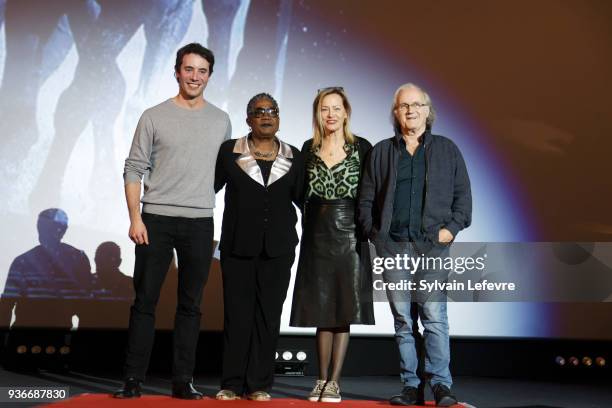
175 149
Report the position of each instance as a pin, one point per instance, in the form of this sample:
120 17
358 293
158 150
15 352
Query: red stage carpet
102 400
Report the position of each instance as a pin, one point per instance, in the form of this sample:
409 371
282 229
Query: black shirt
266 168
409 191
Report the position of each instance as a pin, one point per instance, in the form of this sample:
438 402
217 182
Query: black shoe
421 393
443 395
185 391
409 396
130 389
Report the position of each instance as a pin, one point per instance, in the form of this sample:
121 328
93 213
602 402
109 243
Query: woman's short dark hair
259 97
195 48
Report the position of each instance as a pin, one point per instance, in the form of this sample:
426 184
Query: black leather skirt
333 285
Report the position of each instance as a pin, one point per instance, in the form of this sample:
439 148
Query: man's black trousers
193 239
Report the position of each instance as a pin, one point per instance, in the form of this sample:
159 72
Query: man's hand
445 236
138 233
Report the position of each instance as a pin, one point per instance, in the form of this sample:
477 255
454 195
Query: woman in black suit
333 287
263 177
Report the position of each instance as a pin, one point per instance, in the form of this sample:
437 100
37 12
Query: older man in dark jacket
415 197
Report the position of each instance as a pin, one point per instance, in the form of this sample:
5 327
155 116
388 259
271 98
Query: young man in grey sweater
174 148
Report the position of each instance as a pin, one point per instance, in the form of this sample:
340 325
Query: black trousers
254 290
193 239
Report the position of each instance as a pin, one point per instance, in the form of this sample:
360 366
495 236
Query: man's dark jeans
193 239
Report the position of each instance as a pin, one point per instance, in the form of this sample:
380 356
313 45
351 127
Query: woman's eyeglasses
261 112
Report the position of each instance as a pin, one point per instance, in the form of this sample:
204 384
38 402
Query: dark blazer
256 217
448 196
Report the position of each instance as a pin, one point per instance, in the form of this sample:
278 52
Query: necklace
332 152
263 155
260 154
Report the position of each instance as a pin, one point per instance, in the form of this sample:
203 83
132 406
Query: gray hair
432 112
257 98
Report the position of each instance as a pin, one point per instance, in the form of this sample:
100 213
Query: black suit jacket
258 218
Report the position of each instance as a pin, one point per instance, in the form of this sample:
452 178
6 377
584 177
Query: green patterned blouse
340 181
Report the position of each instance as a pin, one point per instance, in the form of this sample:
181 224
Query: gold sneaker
259 396
227 395
315 394
331 392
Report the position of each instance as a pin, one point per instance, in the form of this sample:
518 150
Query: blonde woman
332 287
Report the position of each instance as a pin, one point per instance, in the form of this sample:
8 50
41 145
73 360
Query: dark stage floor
479 392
